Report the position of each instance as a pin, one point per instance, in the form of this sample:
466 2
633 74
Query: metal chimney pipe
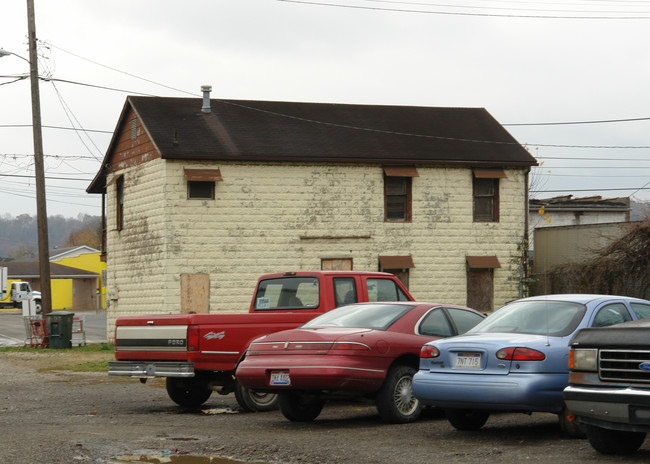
206 89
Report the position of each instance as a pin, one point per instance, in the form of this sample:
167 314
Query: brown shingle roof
323 132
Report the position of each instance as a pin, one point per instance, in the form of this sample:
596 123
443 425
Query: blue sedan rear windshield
555 318
362 316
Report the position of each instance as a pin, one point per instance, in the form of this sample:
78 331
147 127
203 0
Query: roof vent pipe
206 89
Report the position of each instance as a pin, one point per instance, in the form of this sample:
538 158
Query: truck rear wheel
608 441
189 393
252 400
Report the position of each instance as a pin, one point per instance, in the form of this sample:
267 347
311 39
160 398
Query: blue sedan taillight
520 354
429 351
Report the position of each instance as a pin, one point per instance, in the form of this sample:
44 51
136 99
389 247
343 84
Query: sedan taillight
350 346
429 351
520 354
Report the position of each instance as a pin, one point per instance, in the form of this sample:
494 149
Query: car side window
641 310
463 319
345 291
611 314
435 324
384 290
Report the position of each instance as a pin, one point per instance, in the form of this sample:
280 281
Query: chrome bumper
151 369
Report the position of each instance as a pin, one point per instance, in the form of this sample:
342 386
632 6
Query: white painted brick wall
260 212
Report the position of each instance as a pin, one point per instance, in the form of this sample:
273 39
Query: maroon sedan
366 349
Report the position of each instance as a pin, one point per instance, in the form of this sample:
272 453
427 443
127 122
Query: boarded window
195 293
336 264
480 289
480 281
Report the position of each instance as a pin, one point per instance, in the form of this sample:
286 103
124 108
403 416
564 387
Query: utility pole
41 205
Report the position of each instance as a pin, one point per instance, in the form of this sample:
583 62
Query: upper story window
200 190
397 193
485 187
119 200
201 183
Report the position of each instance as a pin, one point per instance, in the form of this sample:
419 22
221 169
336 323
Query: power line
55 127
451 13
568 123
118 70
25 176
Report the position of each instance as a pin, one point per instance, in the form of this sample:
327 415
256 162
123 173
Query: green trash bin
59 329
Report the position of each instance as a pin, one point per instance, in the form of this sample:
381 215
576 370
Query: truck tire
466 419
300 406
569 425
252 400
395 400
189 393
608 441
38 307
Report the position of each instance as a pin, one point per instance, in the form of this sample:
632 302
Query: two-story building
204 195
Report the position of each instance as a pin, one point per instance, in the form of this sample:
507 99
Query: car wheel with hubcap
467 419
395 400
253 400
189 393
300 406
608 441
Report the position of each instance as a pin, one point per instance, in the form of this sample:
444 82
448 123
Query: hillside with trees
19 235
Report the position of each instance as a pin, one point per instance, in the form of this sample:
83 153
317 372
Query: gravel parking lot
60 416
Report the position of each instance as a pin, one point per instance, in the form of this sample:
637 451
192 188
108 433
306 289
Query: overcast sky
525 62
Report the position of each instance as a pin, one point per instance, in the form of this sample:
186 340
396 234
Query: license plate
468 361
280 378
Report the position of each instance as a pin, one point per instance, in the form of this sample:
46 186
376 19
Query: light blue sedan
516 359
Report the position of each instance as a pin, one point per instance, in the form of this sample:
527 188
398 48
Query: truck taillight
193 338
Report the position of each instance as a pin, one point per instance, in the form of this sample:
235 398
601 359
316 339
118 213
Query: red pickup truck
198 353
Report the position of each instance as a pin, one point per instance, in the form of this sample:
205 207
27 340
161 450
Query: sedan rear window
361 316
554 318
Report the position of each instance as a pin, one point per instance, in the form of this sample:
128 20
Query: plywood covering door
479 289
195 293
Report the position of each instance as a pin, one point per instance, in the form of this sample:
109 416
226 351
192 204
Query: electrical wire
452 13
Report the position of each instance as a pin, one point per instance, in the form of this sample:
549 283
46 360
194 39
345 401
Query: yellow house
78 292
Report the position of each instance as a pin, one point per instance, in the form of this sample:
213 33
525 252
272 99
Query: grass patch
91 348
88 358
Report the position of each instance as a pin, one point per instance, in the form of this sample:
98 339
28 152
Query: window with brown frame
397 193
486 200
201 183
485 187
119 200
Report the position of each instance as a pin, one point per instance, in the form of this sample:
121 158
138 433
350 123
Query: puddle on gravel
165 459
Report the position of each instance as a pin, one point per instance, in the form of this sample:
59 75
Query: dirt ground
60 416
